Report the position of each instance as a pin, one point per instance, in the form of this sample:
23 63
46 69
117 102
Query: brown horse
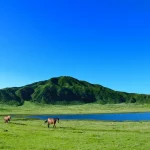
52 121
7 119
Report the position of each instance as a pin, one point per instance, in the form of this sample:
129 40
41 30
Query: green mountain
67 90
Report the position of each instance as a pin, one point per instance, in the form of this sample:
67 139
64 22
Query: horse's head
58 120
45 121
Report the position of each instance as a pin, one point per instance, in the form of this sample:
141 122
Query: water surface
142 116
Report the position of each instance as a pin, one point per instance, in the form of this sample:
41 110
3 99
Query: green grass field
32 108
23 134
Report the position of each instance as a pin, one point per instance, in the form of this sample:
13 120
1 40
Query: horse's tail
45 121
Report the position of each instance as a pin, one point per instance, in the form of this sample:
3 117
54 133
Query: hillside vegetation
67 90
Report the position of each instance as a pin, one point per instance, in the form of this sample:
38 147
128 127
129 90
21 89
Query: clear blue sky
104 42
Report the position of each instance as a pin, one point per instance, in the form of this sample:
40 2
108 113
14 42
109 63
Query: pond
142 116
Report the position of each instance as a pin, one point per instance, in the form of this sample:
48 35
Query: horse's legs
54 125
48 125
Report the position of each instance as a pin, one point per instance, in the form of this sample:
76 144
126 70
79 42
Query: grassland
32 108
26 134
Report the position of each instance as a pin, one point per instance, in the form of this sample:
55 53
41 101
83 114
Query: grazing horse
52 121
7 119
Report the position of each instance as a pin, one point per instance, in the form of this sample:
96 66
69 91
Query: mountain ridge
67 90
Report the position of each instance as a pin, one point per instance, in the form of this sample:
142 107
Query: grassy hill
67 90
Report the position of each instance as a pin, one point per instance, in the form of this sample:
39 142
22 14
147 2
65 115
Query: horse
7 119
52 121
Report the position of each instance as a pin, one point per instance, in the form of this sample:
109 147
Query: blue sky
103 42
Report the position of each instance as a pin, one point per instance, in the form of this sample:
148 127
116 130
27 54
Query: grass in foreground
75 135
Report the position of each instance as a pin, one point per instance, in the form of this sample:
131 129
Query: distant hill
67 90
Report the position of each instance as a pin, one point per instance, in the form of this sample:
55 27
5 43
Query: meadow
36 108
26 134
